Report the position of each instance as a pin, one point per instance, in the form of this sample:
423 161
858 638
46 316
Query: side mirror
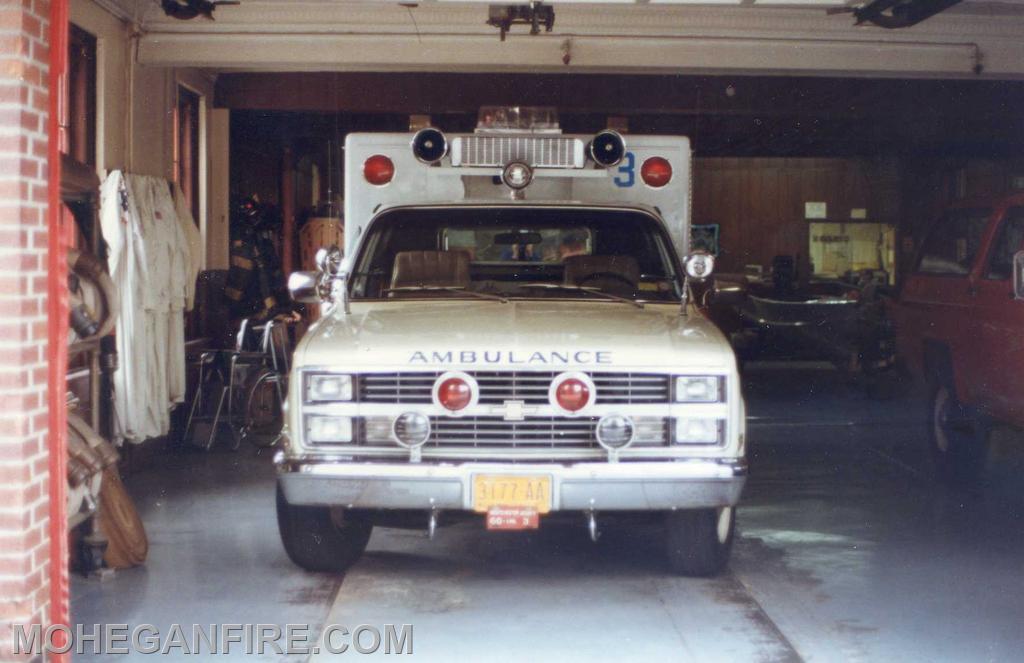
327 284
328 260
699 265
305 287
1018 275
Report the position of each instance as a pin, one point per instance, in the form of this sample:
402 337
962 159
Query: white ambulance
509 336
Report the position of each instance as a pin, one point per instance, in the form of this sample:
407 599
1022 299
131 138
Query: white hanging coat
152 264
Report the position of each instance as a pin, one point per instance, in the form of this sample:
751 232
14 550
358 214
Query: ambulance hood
518 335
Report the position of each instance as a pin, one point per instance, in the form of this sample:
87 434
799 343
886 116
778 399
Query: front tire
318 538
699 541
957 438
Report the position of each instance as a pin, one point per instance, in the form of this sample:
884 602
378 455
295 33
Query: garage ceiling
975 38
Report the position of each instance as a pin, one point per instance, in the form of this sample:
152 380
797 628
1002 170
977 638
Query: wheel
263 408
320 538
699 541
957 438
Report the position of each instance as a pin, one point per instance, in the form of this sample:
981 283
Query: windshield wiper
582 288
449 288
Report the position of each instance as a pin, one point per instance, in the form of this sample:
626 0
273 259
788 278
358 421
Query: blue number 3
628 170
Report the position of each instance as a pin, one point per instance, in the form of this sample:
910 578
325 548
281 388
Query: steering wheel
614 276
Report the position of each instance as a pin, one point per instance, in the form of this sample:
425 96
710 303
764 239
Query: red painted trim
57 328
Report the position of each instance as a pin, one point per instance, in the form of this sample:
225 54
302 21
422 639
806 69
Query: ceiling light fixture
894 14
188 9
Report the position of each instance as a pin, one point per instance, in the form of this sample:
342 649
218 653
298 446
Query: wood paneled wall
759 202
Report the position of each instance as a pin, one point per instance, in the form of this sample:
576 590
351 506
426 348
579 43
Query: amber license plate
511 501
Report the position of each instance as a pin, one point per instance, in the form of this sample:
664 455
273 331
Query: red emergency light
454 394
378 170
572 394
656 172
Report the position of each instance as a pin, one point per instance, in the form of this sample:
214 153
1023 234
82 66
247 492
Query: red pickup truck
960 325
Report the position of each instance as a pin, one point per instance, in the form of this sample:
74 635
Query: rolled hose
89 267
90 456
128 544
97 452
82 462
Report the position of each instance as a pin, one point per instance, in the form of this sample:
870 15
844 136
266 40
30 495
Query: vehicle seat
619 275
429 268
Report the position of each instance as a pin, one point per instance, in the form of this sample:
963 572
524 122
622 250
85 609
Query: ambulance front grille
529 387
490 432
536 151
534 433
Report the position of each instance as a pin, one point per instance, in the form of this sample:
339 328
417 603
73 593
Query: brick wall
24 533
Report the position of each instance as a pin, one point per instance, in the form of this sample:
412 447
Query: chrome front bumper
633 486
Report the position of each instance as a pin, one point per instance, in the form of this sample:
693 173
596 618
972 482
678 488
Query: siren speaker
429 145
607 148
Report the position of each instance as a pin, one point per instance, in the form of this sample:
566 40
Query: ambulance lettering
512 357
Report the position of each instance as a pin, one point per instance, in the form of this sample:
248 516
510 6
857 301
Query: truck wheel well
938 363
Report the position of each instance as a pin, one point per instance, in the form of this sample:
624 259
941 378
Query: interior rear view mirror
304 287
1018 275
523 238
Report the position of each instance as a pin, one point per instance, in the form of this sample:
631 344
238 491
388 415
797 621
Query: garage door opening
513 408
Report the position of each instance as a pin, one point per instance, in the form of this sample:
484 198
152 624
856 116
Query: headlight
699 389
327 388
691 430
328 429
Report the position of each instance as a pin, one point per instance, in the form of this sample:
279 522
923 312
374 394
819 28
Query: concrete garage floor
847 551
214 557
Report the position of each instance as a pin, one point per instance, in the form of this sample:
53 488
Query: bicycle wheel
263 408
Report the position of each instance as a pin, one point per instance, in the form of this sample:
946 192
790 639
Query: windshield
516 253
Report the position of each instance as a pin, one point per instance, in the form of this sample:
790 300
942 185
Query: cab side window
1009 240
953 244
